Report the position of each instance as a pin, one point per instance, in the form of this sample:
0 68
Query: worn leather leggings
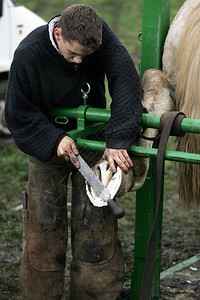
97 262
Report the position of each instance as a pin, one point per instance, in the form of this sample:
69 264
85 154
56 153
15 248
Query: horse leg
157 100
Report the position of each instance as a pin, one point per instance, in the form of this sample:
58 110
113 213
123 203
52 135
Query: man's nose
77 59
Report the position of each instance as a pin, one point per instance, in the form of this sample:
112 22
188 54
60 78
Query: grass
13 179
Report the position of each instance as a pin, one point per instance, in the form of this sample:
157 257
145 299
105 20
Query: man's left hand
119 156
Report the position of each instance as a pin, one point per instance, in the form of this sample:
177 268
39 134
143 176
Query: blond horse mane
187 95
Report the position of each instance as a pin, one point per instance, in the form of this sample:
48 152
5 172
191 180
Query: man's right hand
67 149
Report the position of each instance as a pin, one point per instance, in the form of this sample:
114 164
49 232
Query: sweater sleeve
32 131
124 89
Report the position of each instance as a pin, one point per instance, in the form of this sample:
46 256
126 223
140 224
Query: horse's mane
187 95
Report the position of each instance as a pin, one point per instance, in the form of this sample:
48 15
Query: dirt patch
183 284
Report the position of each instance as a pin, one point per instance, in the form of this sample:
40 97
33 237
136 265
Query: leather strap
170 124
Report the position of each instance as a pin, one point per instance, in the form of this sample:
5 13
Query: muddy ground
183 284
181 240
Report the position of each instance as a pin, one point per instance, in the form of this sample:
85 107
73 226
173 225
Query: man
49 69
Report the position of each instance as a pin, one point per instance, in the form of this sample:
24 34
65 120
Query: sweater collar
51 26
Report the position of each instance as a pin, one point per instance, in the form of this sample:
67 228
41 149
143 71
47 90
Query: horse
175 87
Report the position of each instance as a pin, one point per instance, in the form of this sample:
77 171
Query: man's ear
57 33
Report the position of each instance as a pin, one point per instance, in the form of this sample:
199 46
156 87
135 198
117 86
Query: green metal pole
103 115
91 114
145 213
155 24
171 155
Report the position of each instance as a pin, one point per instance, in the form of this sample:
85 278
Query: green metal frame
155 24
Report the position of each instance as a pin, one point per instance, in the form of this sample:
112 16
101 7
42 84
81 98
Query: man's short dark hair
81 23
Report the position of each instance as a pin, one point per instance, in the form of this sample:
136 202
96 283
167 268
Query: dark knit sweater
41 79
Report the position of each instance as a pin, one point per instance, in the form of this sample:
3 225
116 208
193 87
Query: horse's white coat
172 39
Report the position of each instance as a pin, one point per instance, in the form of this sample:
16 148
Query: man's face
72 51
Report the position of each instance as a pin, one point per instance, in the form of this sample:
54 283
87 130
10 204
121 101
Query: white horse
176 87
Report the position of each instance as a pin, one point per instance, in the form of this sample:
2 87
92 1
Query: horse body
173 38
181 67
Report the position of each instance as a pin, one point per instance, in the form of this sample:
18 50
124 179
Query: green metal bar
180 266
187 125
81 132
91 114
171 155
144 152
103 115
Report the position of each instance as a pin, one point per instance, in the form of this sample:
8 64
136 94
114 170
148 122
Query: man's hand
120 156
67 149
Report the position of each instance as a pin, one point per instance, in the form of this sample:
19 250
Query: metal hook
85 93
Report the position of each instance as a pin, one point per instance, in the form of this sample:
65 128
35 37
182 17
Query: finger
67 154
122 165
127 157
74 149
105 154
122 162
125 160
112 164
63 148
62 152
73 157
75 161
117 156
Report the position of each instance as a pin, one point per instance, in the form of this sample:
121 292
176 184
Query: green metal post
155 24
145 213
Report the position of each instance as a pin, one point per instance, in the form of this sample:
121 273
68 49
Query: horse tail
189 174
187 95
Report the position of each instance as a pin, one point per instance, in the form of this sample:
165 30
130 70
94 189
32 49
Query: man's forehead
79 49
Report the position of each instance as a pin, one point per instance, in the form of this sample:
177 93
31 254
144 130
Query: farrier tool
99 188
